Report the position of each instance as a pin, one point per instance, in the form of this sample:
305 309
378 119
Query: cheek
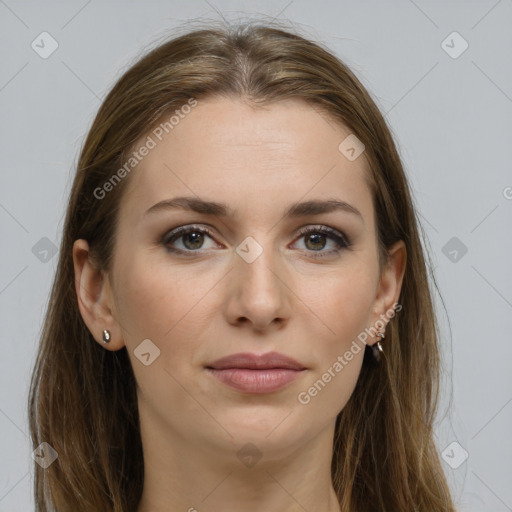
342 300
152 296
166 304
345 312
330 388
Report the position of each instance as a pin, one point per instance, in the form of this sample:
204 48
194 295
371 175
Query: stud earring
106 336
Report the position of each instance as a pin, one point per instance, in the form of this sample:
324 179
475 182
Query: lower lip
256 381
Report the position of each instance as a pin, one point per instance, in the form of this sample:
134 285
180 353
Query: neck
186 475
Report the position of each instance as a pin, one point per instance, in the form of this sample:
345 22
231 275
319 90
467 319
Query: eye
192 238
316 239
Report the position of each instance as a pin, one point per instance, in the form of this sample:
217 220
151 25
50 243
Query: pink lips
255 374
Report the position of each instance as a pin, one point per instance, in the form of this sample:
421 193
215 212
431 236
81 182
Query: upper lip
256 362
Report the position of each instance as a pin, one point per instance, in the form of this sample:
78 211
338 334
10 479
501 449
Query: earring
377 349
106 336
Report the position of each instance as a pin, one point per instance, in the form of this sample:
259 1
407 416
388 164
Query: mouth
248 361
256 381
254 374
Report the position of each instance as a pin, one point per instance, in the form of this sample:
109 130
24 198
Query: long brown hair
83 398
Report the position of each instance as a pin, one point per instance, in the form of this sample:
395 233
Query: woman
241 316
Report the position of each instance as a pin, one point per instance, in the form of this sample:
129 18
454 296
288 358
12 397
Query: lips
268 361
254 374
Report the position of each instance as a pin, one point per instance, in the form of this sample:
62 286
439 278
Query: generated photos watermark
304 397
150 143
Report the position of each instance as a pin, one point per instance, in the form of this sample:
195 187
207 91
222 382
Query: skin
200 308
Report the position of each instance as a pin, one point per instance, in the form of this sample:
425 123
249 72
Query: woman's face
246 281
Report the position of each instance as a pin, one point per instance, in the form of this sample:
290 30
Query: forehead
254 159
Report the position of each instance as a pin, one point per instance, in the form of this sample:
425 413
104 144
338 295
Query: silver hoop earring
106 336
377 349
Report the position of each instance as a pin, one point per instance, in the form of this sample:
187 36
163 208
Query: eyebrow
198 205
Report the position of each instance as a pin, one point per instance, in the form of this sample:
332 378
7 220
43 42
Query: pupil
194 235
316 237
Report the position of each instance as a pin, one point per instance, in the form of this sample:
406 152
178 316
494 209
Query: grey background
452 121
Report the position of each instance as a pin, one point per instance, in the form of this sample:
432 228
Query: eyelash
342 241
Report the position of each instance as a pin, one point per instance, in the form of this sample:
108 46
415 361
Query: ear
389 287
95 298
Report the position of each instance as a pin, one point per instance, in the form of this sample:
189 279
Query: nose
257 293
